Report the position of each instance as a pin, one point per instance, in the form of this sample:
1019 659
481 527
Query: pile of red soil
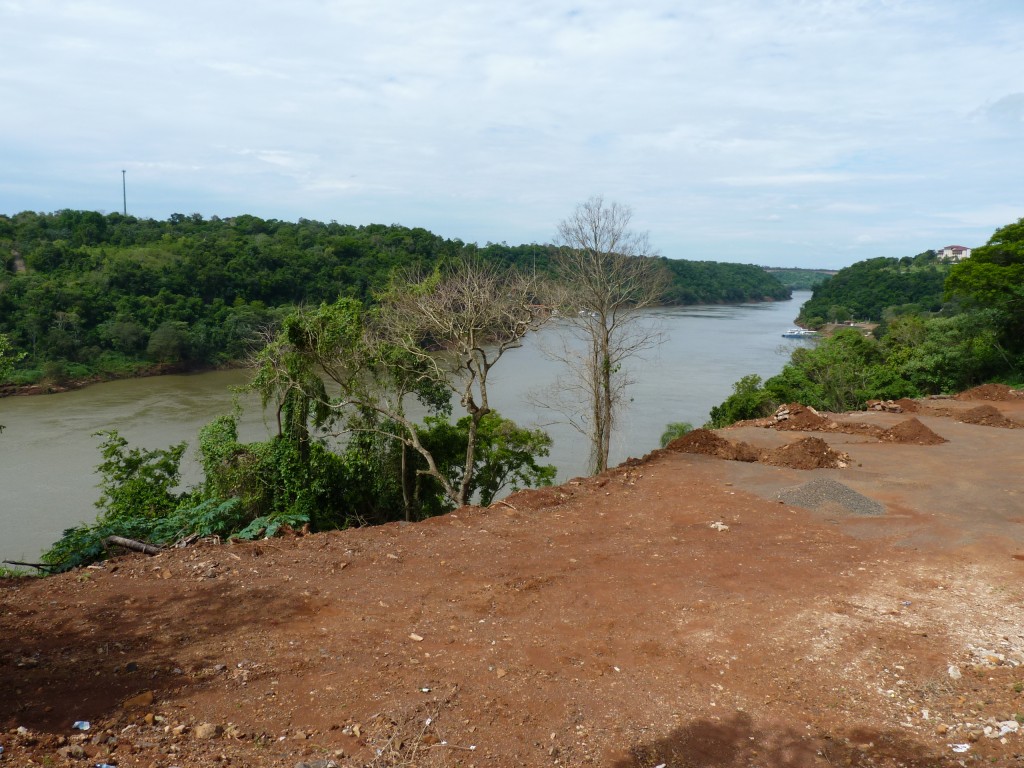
991 392
911 431
856 428
802 419
808 453
908 405
987 416
707 443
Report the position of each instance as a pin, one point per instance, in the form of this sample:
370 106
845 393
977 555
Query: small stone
138 702
207 731
72 752
501 672
415 637
942 729
954 672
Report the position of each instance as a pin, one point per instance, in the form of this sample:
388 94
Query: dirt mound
908 405
991 392
987 416
802 418
856 428
707 443
912 431
808 453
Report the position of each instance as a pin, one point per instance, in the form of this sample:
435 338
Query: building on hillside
954 253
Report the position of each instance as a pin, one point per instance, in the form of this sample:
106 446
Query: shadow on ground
735 741
103 651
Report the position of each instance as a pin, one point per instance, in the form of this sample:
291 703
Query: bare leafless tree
607 275
455 325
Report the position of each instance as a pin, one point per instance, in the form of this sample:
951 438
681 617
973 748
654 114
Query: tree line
86 295
941 329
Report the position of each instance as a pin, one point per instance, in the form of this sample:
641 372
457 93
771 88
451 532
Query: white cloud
849 127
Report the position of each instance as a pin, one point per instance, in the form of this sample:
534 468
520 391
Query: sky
811 133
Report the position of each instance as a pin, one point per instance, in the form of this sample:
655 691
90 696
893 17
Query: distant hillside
863 291
799 279
710 282
86 294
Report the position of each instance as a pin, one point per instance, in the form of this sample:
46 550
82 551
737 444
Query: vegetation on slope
799 279
85 294
865 289
933 337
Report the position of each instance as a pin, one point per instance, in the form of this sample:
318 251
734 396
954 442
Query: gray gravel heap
826 494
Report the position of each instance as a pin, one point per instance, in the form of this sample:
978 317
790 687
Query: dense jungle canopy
86 294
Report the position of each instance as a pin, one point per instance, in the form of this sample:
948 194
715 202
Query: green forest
867 289
799 279
89 296
941 329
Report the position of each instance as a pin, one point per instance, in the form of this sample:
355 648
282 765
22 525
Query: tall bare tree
607 276
455 325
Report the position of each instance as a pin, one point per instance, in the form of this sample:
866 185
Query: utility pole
124 192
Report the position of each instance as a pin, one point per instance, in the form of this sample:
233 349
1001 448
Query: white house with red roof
954 253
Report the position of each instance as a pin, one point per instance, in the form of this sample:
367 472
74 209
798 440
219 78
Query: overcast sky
790 132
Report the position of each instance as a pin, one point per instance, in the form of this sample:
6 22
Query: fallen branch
40 566
138 546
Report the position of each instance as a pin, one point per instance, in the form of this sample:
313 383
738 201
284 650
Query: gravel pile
825 493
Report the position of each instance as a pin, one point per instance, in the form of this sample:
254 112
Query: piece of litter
425 690
960 747
81 725
720 526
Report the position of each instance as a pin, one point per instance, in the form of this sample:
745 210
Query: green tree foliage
673 430
430 337
711 282
798 279
8 358
864 290
993 278
78 288
137 492
917 355
505 458
289 479
748 400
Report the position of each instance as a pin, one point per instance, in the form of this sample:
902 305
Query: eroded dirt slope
671 612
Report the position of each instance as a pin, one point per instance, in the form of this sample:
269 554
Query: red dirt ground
670 612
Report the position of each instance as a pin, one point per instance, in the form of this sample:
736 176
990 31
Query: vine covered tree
431 337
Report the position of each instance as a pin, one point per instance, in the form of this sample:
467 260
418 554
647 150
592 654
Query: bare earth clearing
681 610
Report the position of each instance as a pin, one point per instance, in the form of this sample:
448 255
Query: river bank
144 372
48 451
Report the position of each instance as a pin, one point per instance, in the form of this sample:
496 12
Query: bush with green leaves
673 430
917 355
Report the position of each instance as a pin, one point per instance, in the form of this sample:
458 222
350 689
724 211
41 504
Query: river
48 451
